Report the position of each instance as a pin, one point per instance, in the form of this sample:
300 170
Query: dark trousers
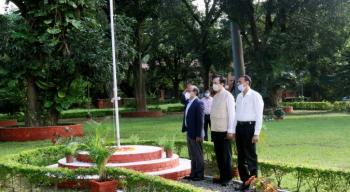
195 152
246 151
223 152
206 125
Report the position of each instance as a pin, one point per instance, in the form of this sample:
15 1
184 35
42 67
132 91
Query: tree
203 28
143 12
289 37
47 49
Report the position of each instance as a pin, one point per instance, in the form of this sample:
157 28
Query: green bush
343 106
175 109
324 105
32 165
279 113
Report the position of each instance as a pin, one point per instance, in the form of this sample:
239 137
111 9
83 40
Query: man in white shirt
222 117
247 126
208 101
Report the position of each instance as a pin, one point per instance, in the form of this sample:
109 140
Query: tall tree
288 37
202 25
51 48
144 12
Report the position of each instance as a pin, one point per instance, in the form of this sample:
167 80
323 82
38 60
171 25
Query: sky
2 6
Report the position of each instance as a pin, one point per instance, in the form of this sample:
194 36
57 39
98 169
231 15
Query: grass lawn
318 140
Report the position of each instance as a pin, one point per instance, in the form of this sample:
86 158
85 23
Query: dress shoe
188 178
225 183
217 180
242 187
197 178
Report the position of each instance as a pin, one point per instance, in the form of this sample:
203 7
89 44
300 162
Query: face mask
216 87
206 94
187 95
241 88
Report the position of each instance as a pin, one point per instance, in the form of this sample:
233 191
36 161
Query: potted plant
99 153
278 114
161 142
168 147
288 109
134 139
69 151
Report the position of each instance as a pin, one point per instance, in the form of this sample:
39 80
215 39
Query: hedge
340 106
82 113
325 105
31 165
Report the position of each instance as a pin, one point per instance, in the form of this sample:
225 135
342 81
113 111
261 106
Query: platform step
142 166
176 173
131 153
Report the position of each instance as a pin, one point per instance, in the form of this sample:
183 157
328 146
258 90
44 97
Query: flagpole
115 89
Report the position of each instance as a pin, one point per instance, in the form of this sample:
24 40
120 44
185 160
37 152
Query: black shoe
197 178
217 180
188 178
224 184
242 187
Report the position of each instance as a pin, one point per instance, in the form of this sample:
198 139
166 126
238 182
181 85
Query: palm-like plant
99 153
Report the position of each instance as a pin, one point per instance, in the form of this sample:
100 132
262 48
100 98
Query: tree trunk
32 115
139 82
140 88
176 83
54 116
276 97
205 77
205 63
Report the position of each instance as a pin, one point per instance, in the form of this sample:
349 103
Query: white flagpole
115 89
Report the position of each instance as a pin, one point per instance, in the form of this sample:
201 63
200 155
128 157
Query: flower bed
5 123
40 133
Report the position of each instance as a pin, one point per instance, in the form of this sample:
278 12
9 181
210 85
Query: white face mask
216 87
241 88
187 95
206 94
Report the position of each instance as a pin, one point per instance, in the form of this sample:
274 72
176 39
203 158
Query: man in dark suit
193 124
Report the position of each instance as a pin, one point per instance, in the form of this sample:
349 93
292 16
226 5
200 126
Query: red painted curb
126 158
149 167
40 133
142 114
4 123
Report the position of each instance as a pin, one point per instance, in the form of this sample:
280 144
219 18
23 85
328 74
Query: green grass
317 140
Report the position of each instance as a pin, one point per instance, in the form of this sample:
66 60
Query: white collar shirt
249 107
207 101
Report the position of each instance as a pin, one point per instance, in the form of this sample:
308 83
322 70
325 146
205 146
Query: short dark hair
195 90
247 78
222 79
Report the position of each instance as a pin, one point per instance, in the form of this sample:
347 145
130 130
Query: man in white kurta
222 117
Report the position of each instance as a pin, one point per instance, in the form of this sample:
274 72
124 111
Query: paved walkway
208 185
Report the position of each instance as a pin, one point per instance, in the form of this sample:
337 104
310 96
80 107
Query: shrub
343 106
175 109
324 105
32 164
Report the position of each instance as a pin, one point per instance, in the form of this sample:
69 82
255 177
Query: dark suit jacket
194 119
